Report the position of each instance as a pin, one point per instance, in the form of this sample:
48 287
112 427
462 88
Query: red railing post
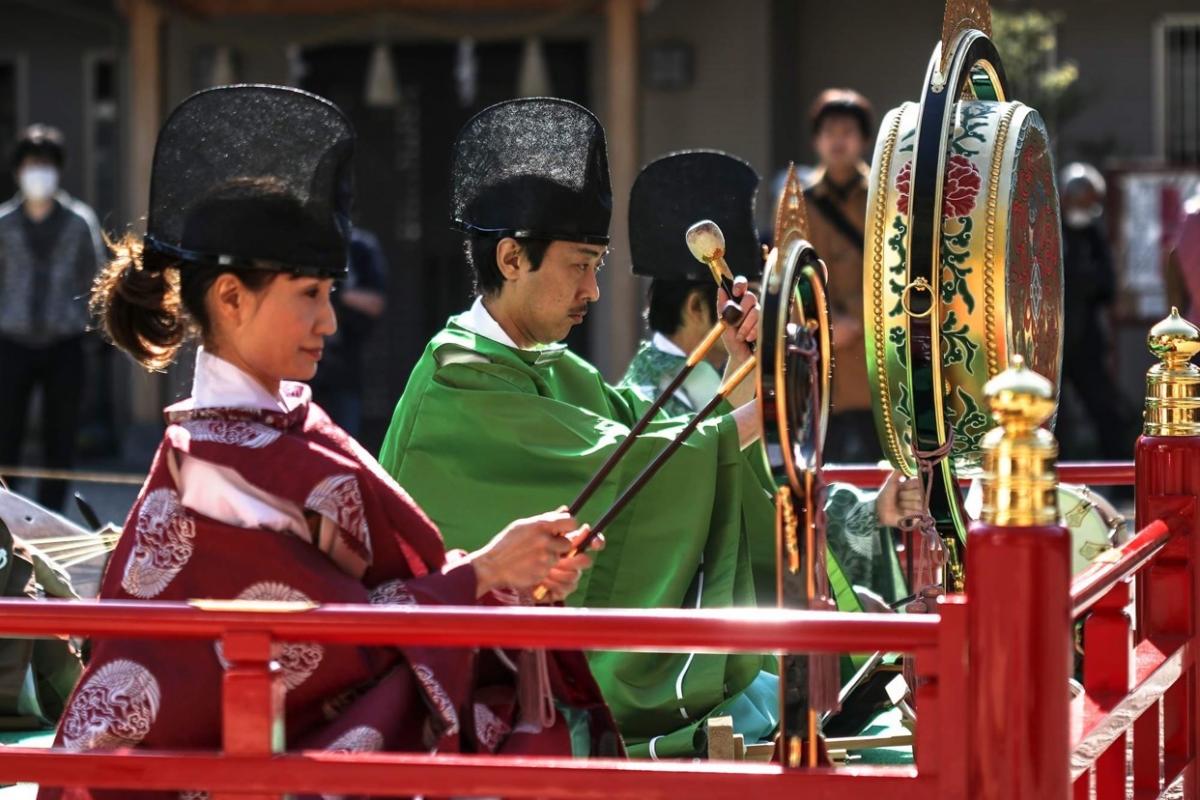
1167 469
1108 672
251 702
1019 607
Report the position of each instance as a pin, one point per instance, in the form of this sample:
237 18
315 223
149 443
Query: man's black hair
39 141
667 299
480 252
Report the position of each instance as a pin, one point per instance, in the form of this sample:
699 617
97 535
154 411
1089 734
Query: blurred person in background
359 301
50 251
1183 263
1089 282
842 121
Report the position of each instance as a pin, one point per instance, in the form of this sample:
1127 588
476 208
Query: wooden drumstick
731 383
654 466
707 244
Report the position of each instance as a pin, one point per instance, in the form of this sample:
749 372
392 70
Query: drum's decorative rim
786 275
877 328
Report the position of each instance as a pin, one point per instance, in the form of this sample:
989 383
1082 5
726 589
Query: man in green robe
669 194
497 417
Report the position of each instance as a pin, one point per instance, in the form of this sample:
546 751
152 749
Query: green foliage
1028 43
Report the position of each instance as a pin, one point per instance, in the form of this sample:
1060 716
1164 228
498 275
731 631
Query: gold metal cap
1173 385
1019 475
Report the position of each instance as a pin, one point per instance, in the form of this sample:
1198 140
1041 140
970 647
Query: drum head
1095 524
1000 287
795 364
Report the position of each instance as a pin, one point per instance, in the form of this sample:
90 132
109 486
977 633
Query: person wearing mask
1089 291
50 251
837 204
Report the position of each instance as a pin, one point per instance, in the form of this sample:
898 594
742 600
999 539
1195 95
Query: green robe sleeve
481 441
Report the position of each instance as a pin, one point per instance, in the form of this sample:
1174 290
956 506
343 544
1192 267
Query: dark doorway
402 169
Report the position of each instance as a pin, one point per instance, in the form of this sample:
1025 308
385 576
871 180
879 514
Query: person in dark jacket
1089 291
50 251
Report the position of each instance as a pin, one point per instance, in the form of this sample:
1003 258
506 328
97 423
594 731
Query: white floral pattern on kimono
164 535
115 708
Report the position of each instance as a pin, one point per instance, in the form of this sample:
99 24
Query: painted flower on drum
904 186
959 189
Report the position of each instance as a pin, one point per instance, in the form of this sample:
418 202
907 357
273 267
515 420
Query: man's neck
507 323
841 175
38 210
683 341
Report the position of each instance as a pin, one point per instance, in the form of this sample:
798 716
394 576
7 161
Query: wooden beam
145 99
145 19
621 301
223 8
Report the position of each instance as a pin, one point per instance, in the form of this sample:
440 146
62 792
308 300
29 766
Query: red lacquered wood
1105 715
1147 763
1169 466
450 775
949 760
1108 671
251 703
1020 623
659 630
1090 585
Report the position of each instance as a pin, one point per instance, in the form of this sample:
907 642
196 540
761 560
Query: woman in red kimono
255 494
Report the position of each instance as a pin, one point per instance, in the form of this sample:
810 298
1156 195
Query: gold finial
960 16
791 214
1173 384
1019 475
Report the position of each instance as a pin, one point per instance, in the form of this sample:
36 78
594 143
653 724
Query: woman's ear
227 301
508 258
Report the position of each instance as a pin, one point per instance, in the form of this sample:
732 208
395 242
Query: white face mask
39 182
1079 218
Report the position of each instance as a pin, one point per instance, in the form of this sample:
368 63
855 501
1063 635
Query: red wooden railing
991 675
1134 729
246 766
1092 473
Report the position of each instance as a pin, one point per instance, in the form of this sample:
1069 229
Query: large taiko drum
999 291
962 265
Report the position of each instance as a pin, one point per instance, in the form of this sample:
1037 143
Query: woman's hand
564 576
899 497
528 552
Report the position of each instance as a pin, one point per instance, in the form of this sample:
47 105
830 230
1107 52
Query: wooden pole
613 344
145 102
145 19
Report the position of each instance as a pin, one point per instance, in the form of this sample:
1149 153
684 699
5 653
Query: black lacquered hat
676 191
534 168
253 176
